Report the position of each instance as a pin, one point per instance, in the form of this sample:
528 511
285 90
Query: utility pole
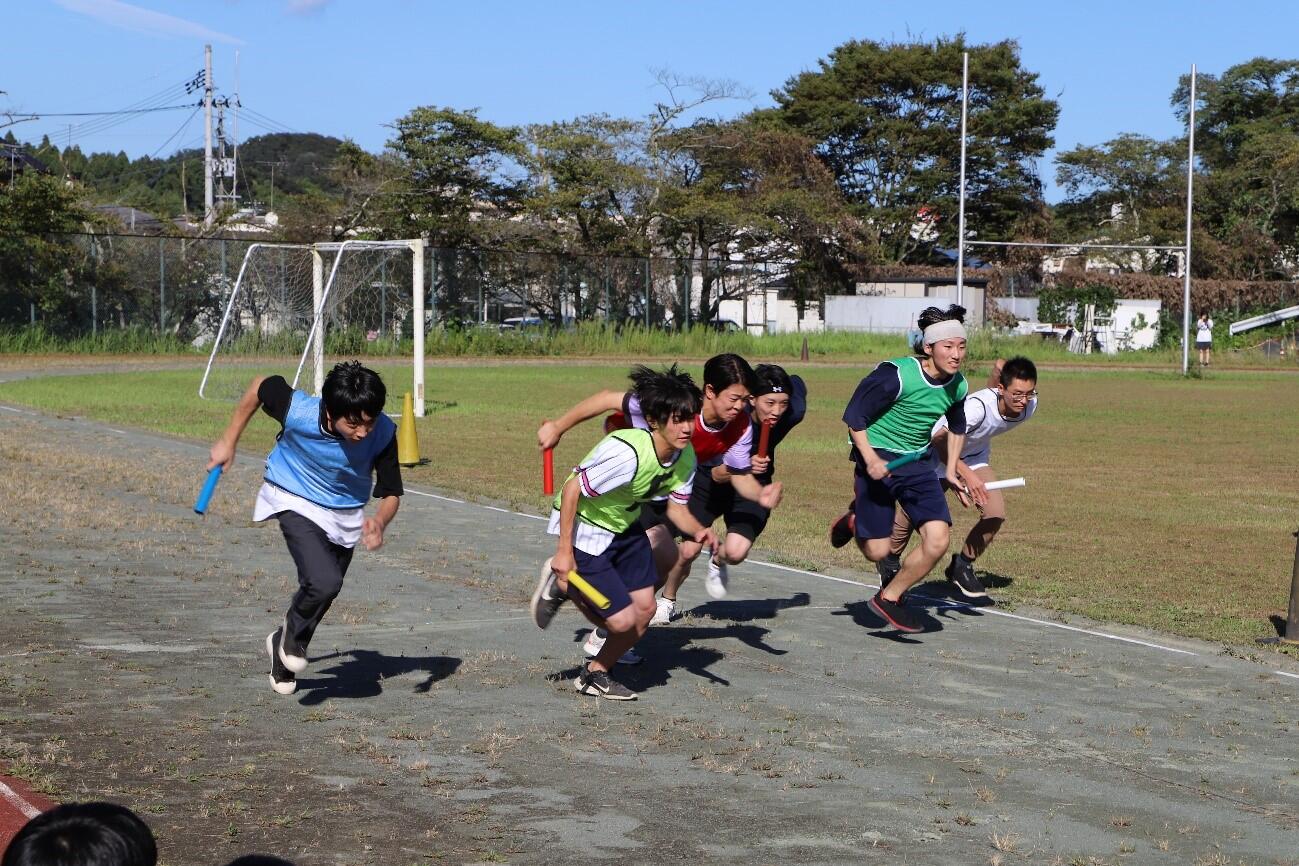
209 211
272 165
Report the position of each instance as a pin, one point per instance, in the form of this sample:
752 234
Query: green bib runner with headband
905 428
619 508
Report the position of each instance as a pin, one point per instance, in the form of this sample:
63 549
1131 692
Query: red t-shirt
711 446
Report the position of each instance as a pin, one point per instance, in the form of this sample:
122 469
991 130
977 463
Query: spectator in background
1204 338
83 834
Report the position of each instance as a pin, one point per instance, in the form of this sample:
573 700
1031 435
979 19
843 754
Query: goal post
324 302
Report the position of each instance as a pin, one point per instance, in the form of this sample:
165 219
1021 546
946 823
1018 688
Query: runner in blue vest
317 481
891 415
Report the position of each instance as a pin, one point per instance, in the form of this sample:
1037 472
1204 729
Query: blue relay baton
209 487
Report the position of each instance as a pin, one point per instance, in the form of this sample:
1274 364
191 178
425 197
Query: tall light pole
209 210
1186 264
960 226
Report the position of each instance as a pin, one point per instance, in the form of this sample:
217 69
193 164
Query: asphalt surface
437 724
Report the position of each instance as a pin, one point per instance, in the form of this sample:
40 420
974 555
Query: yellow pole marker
592 594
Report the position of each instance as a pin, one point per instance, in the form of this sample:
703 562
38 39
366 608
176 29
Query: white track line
988 610
29 811
993 611
872 586
435 496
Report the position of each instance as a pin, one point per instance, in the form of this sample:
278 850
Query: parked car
519 323
725 326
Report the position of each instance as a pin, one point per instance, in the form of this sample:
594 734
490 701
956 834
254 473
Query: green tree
1247 144
749 191
36 258
453 169
886 120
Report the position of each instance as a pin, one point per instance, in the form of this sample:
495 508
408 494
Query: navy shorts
626 565
1204 344
709 501
915 487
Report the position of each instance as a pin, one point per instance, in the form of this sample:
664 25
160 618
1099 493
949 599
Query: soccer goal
304 307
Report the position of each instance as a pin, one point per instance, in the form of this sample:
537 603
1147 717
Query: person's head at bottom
83 834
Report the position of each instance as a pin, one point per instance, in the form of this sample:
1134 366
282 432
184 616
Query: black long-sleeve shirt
792 418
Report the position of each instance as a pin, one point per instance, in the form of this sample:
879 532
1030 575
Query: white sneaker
595 642
667 608
715 582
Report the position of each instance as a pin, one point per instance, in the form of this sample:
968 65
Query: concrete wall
868 313
881 313
766 313
1020 308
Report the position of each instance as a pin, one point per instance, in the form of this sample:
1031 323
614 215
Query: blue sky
348 67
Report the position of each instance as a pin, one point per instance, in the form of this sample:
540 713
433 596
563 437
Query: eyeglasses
1021 395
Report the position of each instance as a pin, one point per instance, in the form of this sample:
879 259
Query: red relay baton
762 439
548 472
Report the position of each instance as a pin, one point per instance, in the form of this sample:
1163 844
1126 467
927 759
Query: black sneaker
843 529
547 598
961 572
283 680
602 685
895 613
888 567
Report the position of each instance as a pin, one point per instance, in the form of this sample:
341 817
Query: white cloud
127 17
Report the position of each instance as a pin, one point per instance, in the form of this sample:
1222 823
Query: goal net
298 309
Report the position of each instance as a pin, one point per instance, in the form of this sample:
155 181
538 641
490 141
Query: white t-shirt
611 465
1204 331
983 420
342 526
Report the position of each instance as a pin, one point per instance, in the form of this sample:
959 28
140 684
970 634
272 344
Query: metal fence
178 286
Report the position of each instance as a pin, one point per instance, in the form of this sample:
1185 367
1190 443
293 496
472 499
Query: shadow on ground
361 674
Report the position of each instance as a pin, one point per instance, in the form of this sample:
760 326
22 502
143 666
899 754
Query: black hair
771 378
352 391
83 834
723 371
1018 368
933 315
665 394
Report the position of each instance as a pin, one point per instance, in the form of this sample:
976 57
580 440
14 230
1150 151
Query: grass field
1152 499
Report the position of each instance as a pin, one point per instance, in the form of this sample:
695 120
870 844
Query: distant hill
300 162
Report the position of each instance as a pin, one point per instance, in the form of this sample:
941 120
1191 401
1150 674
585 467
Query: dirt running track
436 724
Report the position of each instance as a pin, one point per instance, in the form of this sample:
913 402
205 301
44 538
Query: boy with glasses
1003 406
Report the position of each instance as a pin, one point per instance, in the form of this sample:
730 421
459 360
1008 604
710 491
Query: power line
172 137
41 114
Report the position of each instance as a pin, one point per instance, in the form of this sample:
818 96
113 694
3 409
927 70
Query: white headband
948 329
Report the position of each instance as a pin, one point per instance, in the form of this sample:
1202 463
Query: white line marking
435 496
17 411
993 611
1087 631
29 811
988 610
812 573
115 430
1284 674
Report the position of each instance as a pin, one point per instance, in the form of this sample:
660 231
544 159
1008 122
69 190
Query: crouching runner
603 562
